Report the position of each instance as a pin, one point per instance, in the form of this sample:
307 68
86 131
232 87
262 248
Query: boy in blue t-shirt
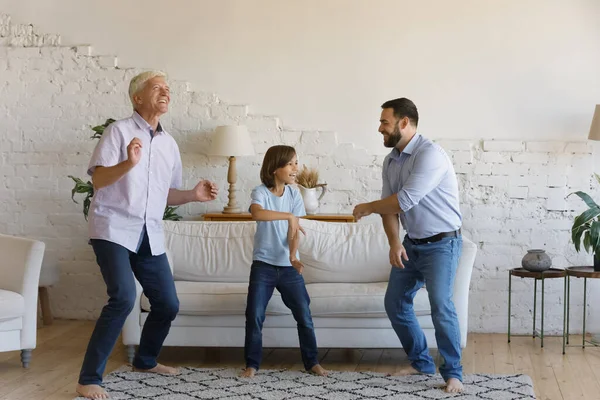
277 207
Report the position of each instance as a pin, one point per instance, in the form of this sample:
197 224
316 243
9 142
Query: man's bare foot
405 371
160 369
248 372
453 385
318 370
91 391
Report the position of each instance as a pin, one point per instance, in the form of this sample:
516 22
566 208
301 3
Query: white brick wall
512 192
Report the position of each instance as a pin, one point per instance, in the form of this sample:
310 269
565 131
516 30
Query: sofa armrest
20 271
462 283
132 330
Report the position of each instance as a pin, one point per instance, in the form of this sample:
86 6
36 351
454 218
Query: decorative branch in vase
308 183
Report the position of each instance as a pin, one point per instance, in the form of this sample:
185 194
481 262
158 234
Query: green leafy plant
99 129
87 188
170 214
586 226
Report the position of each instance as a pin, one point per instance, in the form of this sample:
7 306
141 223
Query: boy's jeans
264 278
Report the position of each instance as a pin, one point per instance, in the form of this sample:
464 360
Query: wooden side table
523 273
577 272
248 217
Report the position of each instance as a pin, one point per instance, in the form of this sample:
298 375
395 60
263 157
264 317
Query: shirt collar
141 122
395 153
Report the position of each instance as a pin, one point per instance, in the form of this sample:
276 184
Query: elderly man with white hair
136 171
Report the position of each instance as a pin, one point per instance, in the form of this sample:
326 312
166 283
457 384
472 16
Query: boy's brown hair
275 157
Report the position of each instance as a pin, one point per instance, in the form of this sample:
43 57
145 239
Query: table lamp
595 128
231 141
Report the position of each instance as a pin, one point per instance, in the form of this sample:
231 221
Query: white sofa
19 276
346 273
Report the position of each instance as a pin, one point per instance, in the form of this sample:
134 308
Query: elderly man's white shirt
118 212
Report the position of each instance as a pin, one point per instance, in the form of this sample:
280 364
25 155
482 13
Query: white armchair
20 264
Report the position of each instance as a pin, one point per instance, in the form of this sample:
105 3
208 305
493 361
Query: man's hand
297 265
294 228
205 191
134 151
362 210
397 254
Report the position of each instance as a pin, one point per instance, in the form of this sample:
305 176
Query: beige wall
476 68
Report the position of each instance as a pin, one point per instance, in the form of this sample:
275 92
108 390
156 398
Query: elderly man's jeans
432 264
118 266
264 278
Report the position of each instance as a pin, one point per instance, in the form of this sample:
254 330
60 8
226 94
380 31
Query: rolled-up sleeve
430 166
108 150
386 190
258 197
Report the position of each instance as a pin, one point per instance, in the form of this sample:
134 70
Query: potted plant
586 227
308 182
87 188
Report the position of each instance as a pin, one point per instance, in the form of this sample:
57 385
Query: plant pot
597 261
536 260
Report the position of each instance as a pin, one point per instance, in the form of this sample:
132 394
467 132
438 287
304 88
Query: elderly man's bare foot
248 372
159 369
318 370
91 391
405 371
453 385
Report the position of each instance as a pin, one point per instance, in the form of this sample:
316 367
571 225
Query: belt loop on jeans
435 238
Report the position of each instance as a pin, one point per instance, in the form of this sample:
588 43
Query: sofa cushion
215 298
356 300
344 252
12 305
210 251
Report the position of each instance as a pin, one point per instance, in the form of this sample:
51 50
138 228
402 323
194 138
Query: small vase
597 261
536 260
311 198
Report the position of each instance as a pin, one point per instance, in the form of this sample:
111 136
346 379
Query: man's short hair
403 107
138 82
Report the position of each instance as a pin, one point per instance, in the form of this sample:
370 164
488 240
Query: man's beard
393 138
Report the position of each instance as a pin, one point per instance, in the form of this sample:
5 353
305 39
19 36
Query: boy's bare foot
248 372
91 391
160 369
453 385
405 371
318 370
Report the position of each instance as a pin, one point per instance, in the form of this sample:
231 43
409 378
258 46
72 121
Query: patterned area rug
224 383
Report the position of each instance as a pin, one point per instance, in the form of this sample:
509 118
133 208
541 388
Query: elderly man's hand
362 210
206 191
134 151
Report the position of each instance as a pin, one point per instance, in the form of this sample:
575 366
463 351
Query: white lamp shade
595 128
231 140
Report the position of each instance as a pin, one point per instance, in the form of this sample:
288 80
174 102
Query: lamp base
231 210
231 207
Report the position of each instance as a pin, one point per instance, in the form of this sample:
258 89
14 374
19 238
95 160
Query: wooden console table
248 217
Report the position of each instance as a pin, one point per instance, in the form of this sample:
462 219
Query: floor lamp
231 141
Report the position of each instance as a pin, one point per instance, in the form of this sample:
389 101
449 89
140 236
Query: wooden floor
57 359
